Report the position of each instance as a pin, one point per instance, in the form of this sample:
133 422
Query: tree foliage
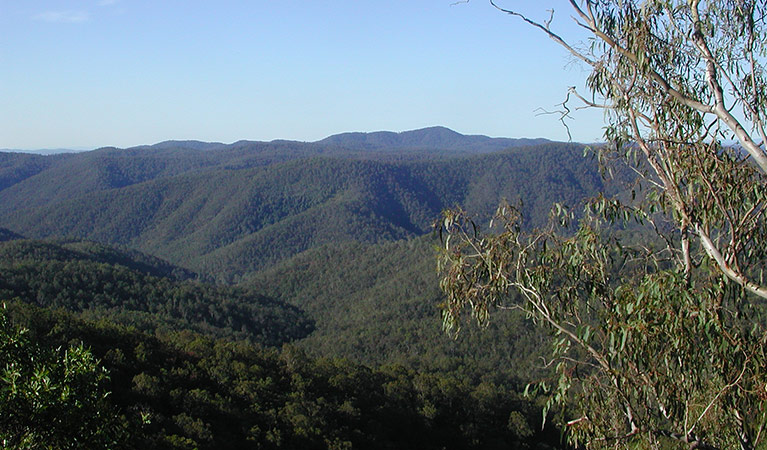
662 340
52 397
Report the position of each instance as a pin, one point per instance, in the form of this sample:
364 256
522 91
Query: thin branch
719 394
548 32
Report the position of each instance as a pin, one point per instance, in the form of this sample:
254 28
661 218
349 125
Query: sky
91 73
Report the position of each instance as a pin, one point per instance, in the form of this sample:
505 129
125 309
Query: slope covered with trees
229 221
379 304
143 292
183 390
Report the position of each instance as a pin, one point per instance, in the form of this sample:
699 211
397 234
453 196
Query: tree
51 398
662 341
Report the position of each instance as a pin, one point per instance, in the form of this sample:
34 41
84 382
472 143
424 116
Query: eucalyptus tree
661 342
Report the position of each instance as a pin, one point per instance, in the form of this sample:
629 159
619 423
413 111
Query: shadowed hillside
378 304
141 291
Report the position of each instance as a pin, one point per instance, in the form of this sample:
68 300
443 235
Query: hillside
200 212
141 291
16 167
8 235
47 179
435 138
182 390
106 168
379 304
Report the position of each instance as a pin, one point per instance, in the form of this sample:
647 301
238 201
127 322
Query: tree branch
719 108
548 32
714 253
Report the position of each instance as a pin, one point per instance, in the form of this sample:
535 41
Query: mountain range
340 228
283 292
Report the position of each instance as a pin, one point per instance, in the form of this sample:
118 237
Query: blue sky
94 73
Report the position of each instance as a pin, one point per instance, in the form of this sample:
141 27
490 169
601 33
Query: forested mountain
16 167
195 209
436 138
326 245
337 228
48 179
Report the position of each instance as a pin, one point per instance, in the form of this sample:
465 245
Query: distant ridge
431 137
190 144
236 210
